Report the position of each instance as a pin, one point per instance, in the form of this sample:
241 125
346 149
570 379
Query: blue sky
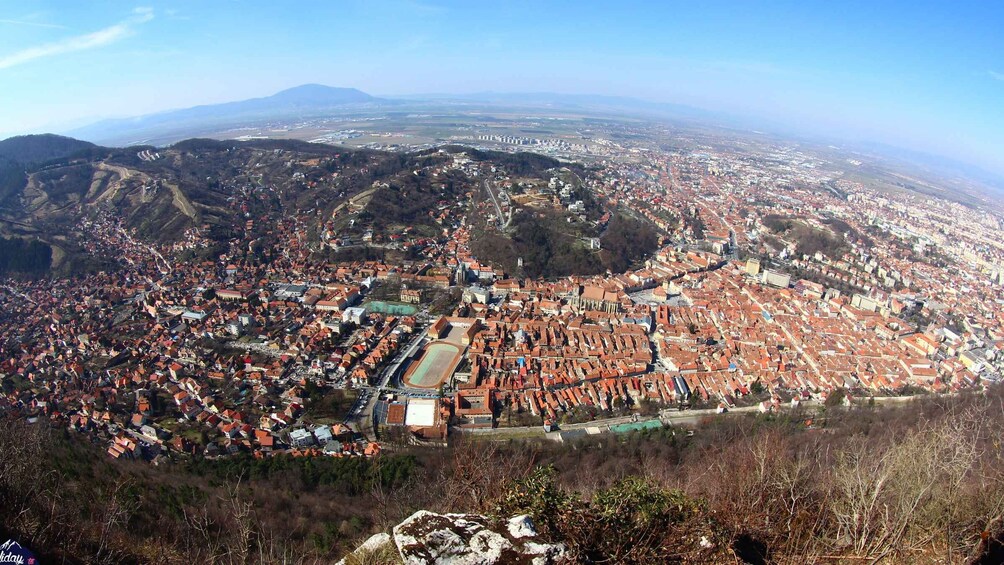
926 76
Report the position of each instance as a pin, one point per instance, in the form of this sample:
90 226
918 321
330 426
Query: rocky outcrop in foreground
457 539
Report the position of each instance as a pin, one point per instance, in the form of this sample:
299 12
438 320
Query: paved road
689 417
366 418
669 416
501 224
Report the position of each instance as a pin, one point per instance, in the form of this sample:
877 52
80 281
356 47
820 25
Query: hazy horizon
925 78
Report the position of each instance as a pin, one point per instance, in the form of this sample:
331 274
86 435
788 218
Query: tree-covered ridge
36 149
212 187
24 256
549 249
808 239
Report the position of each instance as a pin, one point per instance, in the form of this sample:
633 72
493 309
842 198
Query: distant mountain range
315 100
592 102
309 100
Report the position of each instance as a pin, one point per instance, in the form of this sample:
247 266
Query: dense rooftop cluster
779 277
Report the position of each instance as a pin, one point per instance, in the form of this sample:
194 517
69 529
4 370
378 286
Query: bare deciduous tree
902 496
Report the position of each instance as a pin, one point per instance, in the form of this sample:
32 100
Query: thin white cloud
996 75
98 38
31 24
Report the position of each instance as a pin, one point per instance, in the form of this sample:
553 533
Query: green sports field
436 364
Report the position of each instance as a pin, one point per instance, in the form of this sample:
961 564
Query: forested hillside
37 149
918 483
